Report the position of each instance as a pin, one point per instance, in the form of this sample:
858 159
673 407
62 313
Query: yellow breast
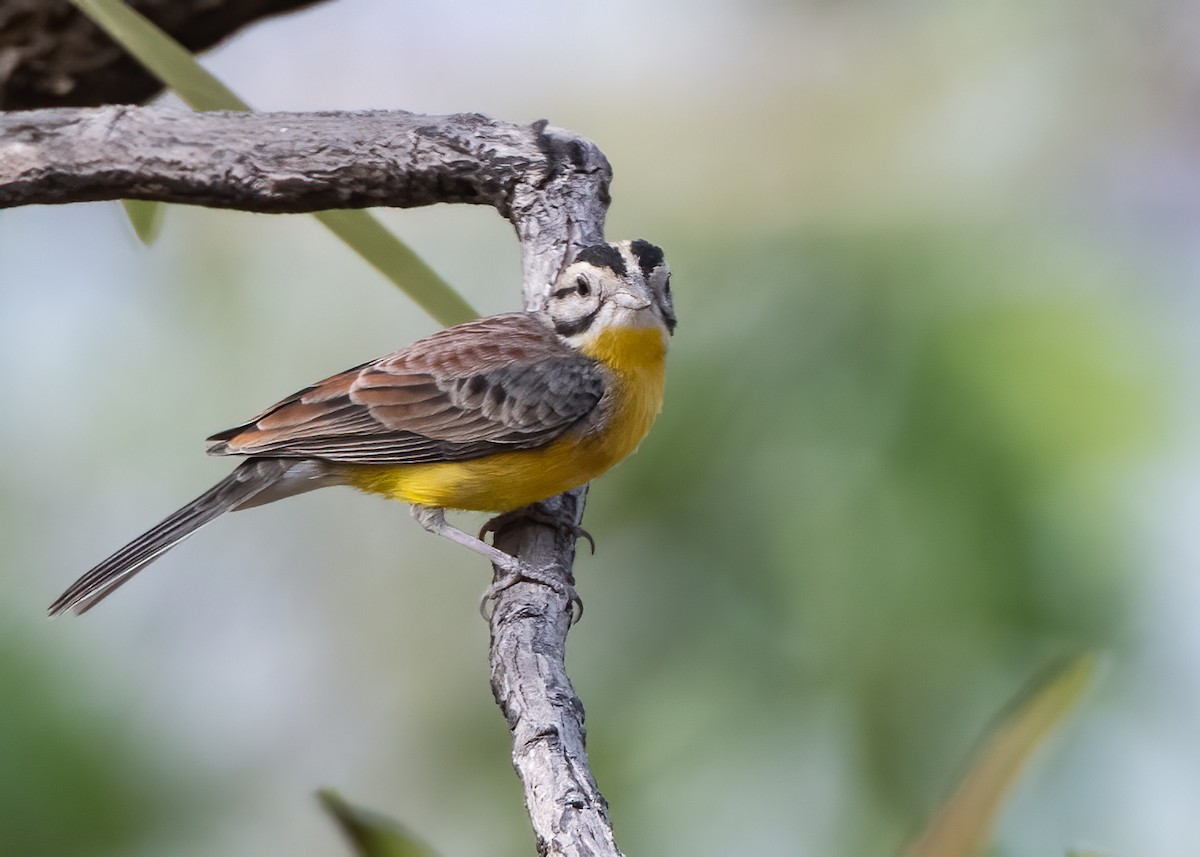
510 480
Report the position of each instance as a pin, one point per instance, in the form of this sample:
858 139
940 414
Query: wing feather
501 383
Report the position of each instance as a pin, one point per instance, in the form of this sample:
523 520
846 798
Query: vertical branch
531 686
562 212
529 625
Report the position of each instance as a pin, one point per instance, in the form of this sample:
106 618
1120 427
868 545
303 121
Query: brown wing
500 383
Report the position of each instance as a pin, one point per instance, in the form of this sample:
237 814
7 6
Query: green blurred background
930 424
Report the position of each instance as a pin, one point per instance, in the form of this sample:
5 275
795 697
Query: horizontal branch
266 162
551 184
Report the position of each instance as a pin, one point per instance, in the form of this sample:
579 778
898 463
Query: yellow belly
510 480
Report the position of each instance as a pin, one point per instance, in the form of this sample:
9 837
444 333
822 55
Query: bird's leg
433 519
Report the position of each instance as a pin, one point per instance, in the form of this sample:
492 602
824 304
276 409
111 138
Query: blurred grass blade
963 825
400 264
175 66
371 834
164 57
146 218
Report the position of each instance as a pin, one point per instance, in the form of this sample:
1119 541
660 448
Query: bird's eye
582 287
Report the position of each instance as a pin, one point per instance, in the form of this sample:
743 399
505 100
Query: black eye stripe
570 328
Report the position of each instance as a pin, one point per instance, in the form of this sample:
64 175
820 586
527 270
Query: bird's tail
251 478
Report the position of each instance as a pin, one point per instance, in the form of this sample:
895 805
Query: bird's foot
512 569
536 513
519 572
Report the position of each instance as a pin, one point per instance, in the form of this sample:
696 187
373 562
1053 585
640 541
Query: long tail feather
250 478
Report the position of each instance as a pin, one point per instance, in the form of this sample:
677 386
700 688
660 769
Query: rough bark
52 55
530 682
551 184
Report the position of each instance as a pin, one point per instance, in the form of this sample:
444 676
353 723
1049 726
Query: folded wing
501 383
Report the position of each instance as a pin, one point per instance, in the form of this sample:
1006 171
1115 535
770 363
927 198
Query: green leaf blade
392 257
162 56
175 66
146 218
371 834
963 825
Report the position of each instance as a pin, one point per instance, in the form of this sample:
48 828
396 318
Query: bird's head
623 285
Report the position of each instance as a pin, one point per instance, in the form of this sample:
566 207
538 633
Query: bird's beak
629 300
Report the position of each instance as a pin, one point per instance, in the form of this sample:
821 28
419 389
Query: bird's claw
541 516
519 572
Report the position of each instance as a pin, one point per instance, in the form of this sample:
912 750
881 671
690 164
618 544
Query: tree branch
52 55
551 184
531 686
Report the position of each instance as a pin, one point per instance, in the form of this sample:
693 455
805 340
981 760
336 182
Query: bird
491 415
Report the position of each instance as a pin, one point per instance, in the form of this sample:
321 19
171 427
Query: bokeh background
931 424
